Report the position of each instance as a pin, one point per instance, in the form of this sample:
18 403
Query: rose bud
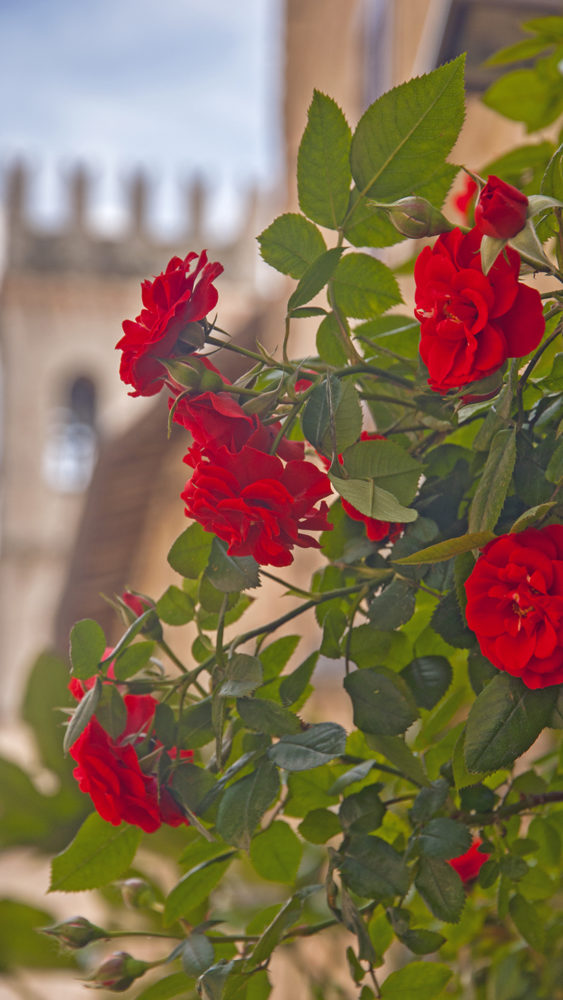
118 972
138 604
137 893
501 210
76 932
416 218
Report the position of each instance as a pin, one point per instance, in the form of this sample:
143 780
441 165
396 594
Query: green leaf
231 573
195 728
195 887
373 869
332 411
190 552
293 685
428 677
444 838
133 659
291 244
111 712
319 826
244 675
197 954
532 515
275 656
317 275
47 690
394 606
554 471
87 646
429 801
396 752
422 942
382 702
330 342
363 287
373 501
98 854
175 607
192 784
416 981
317 745
504 721
264 716
391 467
528 922
494 483
82 715
403 136
323 167
442 551
273 933
213 983
528 96
276 853
441 889
245 802
362 811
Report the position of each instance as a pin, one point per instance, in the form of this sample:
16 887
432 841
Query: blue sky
176 86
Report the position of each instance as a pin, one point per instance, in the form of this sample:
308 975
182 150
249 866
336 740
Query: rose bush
515 604
501 209
184 293
470 323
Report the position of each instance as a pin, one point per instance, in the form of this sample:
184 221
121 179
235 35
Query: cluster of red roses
471 322
122 784
261 503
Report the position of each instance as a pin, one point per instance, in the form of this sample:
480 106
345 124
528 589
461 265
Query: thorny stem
505 811
329 595
533 361
172 655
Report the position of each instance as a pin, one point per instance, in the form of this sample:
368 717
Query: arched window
70 451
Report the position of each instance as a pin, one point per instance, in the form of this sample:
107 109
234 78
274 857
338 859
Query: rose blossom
462 201
515 604
501 210
217 420
178 296
468 865
108 770
257 504
470 323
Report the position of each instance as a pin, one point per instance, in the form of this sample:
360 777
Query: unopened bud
118 972
75 933
138 604
415 217
137 893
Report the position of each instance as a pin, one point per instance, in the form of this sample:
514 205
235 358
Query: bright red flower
468 865
515 604
180 295
470 323
501 210
108 770
258 505
216 420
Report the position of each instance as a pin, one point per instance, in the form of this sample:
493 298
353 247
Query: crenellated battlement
76 245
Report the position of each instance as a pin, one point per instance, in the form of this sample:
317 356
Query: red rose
258 505
515 604
175 298
470 323
216 420
108 770
501 210
468 865
463 200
